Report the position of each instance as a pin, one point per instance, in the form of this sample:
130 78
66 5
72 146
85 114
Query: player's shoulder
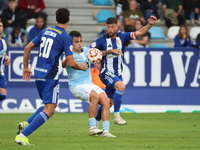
3 38
121 35
85 49
102 38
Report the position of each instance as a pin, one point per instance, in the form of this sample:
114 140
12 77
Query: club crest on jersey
118 42
112 75
94 44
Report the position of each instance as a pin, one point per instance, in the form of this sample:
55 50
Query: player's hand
84 66
152 20
26 74
117 51
7 61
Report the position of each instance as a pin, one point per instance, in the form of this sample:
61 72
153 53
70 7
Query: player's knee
94 97
2 97
120 86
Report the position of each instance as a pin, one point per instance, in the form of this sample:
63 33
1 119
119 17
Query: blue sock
106 125
92 122
30 119
98 116
36 123
117 98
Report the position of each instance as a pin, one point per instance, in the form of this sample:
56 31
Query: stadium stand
29 28
101 2
158 46
156 33
103 15
172 32
194 31
83 18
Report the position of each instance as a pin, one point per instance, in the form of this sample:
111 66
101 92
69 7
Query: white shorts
83 91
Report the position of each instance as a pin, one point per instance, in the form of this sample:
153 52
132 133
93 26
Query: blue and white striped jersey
77 77
53 41
112 62
3 49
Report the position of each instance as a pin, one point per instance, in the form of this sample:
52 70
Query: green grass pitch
69 131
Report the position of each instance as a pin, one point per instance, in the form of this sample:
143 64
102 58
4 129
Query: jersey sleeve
97 44
68 46
37 39
129 36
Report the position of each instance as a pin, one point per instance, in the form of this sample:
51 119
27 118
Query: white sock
104 131
22 135
97 124
116 114
27 123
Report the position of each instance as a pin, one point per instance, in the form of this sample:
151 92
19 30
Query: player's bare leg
117 98
105 114
92 110
49 109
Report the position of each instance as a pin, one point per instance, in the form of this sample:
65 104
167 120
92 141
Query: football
94 55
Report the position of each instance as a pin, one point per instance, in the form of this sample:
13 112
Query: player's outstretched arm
26 71
145 29
72 63
114 51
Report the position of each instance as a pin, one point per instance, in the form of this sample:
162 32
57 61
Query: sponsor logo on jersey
71 48
109 45
94 44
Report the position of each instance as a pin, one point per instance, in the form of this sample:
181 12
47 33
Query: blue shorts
3 81
48 90
109 80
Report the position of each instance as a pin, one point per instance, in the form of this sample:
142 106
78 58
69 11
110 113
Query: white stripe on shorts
55 91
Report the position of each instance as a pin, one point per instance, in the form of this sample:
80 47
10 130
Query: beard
112 34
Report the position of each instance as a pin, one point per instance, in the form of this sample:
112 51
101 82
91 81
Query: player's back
3 49
53 41
77 77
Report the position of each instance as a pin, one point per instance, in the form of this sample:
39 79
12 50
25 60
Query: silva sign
167 68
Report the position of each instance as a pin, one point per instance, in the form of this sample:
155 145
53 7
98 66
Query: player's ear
69 19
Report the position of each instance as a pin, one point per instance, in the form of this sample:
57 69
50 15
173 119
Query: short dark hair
111 20
62 15
75 34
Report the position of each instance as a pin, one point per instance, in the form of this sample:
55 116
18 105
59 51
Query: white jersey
77 77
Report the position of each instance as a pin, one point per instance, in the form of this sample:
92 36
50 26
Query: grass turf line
164 131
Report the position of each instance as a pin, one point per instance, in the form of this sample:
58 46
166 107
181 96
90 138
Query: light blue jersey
77 77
